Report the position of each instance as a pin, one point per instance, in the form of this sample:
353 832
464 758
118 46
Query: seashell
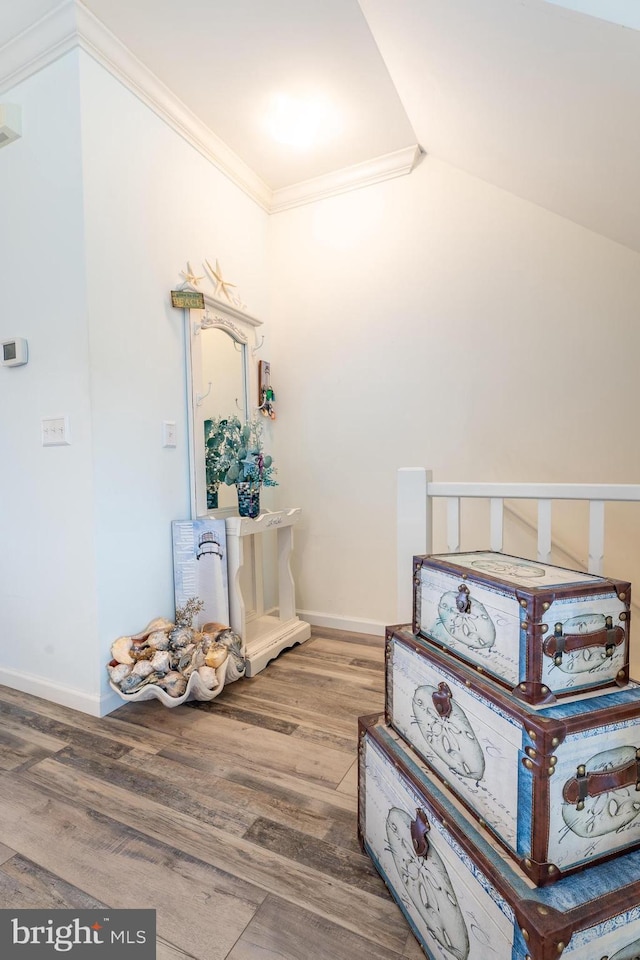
180 637
159 640
237 666
130 683
143 668
134 682
119 672
198 658
141 652
208 677
216 655
161 661
160 623
120 650
214 628
174 683
186 664
230 639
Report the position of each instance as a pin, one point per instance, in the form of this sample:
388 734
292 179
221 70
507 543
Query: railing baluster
453 524
496 523
596 536
544 531
414 532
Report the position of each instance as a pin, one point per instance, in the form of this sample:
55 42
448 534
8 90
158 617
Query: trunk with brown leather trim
558 786
542 632
462 896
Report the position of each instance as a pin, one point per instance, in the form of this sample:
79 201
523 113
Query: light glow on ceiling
302 122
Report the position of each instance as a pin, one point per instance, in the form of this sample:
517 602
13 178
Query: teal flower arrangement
234 456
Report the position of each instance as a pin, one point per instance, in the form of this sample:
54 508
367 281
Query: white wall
437 321
47 549
151 203
428 320
102 206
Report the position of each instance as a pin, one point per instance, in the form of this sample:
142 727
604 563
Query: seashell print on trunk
426 880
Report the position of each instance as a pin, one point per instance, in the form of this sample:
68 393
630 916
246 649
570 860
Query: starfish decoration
190 279
221 284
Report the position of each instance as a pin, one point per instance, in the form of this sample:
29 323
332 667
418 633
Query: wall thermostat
14 352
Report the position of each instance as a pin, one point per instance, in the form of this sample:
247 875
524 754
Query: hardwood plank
312 815
353 869
169 951
253 775
285 931
309 735
348 648
267 751
357 910
224 709
349 783
6 852
26 885
345 834
335 704
325 674
255 699
327 633
321 677
199 907
151 715
16 751
79 735
44 741
229 817
113 727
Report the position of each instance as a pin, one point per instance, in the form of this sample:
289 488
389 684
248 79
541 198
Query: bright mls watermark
80 934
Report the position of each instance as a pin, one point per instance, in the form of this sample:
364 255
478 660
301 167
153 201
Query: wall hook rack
202 396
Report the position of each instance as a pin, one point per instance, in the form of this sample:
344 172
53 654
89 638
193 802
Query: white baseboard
352 624
56 692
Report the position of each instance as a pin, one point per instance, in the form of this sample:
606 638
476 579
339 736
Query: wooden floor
235 819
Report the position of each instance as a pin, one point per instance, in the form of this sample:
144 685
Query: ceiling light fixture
300 122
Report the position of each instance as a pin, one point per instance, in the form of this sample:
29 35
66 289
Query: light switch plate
169 433
55 432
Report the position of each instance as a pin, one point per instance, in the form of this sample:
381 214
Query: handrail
537 491
416 491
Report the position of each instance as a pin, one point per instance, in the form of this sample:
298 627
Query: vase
248 498
212 496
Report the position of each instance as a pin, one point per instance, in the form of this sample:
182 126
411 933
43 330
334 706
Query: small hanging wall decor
266 396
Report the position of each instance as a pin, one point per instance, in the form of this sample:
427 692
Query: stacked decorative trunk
500 793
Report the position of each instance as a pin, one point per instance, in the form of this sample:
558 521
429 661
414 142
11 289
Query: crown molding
46 40
101 44
71 25
396 164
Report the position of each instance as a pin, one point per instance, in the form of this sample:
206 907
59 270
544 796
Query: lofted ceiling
539 97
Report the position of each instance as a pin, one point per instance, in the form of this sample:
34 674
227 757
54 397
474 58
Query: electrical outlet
169 433
55 432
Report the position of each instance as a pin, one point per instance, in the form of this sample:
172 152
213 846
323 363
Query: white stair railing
417 490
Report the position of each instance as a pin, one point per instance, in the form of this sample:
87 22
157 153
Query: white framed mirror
221 370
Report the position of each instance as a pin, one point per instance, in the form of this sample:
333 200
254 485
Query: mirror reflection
224 395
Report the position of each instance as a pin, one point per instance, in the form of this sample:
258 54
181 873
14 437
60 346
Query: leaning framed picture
200 567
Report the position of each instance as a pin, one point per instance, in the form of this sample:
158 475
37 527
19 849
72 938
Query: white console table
263 635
